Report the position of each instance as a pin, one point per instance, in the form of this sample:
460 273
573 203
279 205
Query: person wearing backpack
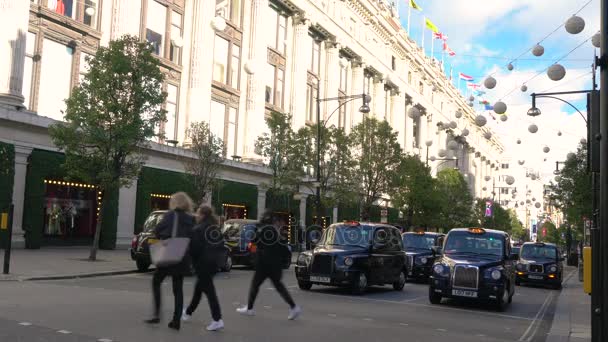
206 249
180 220
271 252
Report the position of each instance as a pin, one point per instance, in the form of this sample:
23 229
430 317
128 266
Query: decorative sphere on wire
442 153
503 118
458 114
452 145
500 107
510 66
575 24
538 50
487 135
414 113
596 39
546 149
518 141
533 128
559 133
481 120
537 205
489 82
571 155
521 162
524 88
465 132
510 180
556 72
453 124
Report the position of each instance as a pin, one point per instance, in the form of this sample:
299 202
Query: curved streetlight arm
445 161
534 96
349 99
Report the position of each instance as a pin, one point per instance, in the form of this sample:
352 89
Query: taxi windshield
152 221
468 243
356 236
418 241
538 252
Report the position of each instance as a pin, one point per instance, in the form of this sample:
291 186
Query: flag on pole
480 92
489 107
439 35
450 51
465 77
473 85
415 6
429 25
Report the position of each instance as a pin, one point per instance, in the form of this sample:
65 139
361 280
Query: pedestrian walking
206 249
180 216
271 252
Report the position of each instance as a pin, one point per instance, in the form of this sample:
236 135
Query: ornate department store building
230 63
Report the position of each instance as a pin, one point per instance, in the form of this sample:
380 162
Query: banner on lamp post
488 209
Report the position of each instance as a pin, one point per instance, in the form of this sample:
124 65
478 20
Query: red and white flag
465 77
447 49
439 35
473 85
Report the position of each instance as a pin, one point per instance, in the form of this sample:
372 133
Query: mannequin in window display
54 213
70 215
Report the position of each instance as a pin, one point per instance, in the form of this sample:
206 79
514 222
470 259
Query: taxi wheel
434 298
359 284
400 283
304 285
227 265
502 302
142 265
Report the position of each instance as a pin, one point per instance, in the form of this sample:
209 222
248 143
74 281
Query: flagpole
409 17
423 27
432 46
459 80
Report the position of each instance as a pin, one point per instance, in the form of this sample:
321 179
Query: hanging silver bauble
571 155
481 120
489 82
533 199
524 88
538 50
453 124
533 128
518 141
471 98
465 132
250 67
575 24
458 114
521 162
510 180
533 177
414 113
528 201
556 72
596 39
218 23
442 153
453 145
537 205
503 118
433 158
487 135
583 141
522 203
545 159
484 189
487 178
559 133
471 104
500 107
429 143
510 66
546 149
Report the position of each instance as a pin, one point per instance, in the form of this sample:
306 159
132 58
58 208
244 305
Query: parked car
239 235
354 255
540 263
475 263
140 245
515 248
418 248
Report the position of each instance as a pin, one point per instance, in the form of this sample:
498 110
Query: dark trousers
275 273
178 293
204 283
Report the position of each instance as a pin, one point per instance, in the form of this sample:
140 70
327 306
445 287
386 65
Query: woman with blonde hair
180 211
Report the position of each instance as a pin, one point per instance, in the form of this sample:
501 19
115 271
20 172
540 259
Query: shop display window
234 211
70 209
159 202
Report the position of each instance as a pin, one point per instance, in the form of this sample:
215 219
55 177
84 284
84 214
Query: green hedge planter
7 176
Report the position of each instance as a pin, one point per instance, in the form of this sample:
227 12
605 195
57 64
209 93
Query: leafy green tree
377 154
280 149
413 192
456 202
549 233
518 232
500 218
208 150
572 190
110 118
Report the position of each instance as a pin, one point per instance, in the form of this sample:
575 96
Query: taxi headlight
438 269
424 260
521 267
303 259
496 274
552 268
348 261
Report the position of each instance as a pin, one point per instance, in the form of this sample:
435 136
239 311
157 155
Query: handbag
170 251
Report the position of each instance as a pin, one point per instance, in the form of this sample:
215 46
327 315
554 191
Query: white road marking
404 324
267 307
368 319
65 332
104 340
25 324
442 330
332 315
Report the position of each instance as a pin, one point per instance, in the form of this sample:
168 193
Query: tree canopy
456 201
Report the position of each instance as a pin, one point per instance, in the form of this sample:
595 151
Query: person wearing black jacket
206 246
180 205
271 251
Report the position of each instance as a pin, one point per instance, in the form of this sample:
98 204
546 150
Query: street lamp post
446 160
363 109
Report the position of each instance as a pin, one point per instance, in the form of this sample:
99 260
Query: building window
505 166
278 30
504 191
156 27
223 124
315 65
421 88
312 92
175 52
28 71
55 83
409 77
393 63
84 11
416 132
231 10
275 80
226 62
171 108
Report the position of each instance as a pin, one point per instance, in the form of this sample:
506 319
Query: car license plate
464 293
536 277
320 279
152 241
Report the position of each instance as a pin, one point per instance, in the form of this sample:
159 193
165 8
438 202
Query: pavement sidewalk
66 262
572 319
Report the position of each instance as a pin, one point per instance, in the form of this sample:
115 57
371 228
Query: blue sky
487 34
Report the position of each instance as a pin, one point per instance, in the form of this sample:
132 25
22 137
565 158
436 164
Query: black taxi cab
354 255
474 263
418 246
540 263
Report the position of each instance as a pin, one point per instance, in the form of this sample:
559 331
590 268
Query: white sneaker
216 325
243 310
185 316
294 313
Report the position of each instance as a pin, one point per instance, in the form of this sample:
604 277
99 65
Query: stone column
21 156
409 129
14 16
379 99
335 215
478 180
397 117
332 83
261 200
302 224
127 197
301 60
357 88
125 18
201 62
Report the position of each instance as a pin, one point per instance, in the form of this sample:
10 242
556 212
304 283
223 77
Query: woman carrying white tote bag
170 255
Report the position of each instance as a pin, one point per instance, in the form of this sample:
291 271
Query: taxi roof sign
477 230
352 223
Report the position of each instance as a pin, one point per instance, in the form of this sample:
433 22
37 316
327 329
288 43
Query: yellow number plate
152 241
